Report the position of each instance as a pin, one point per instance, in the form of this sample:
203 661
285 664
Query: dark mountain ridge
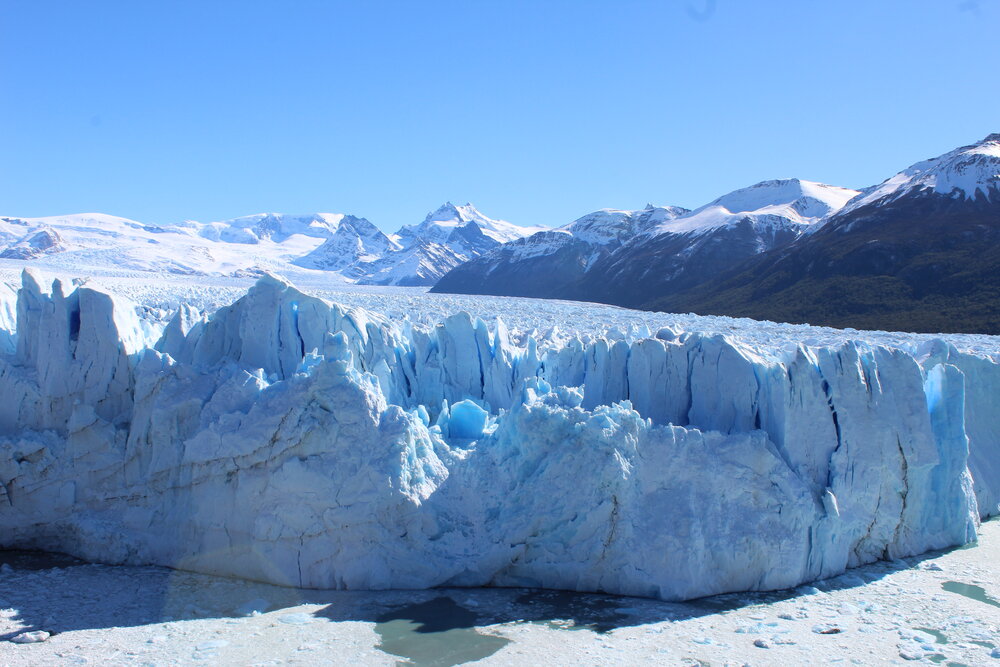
926 263
918 252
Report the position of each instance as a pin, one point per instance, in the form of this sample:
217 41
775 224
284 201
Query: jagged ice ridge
295 441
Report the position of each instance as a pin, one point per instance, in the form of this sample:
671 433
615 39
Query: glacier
288 439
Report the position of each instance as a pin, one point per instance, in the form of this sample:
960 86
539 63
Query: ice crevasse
290 440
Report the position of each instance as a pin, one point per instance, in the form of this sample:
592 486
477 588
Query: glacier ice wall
294 441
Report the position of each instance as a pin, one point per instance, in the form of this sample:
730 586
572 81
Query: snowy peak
448 212
277 227
789 201
969 172
447 237
552 262
809 199
356 242
617 226
439 225
81 222
420 264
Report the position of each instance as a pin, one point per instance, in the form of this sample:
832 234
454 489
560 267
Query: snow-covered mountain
611 226
624 256
782 203
276 227
446 238
550 263
348 247
354 245
98 242
917 252
970 172
441 225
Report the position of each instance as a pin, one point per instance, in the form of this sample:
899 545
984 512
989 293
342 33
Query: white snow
291 440
439 224
970 172
321 246
782 202
602 230
448 236
616 226
98 242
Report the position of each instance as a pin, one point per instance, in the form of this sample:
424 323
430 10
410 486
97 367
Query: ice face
467 421
291 440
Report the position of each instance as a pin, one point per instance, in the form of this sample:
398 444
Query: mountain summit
440 224
789 200
969 172
446 238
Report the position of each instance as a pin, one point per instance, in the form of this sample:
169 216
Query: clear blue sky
537 112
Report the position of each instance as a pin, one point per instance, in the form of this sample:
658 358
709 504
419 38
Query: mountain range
346 247
919 252
623 257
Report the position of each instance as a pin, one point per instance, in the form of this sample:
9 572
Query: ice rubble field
290 440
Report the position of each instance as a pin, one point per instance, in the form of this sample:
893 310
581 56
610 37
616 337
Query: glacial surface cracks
294 441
